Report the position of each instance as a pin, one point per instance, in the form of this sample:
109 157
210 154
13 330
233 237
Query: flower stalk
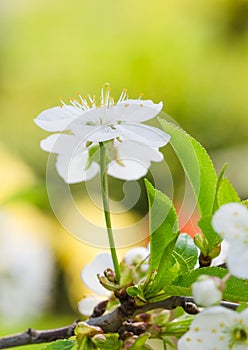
104 190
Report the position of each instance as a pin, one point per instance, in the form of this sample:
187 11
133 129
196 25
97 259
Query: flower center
239 335
105 100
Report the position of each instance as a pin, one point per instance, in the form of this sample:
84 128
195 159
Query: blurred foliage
191 55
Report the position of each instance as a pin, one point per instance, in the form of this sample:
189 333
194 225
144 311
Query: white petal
206 291
72 157
135 111
58 118
130 170
102 133
203 341
231 221
90 271
209 330
72 167
87 305
237 261
143 133
59 143
138 151
222 257
211 317
135 160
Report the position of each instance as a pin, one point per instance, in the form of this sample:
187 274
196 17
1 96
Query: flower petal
209 329
231 221
87 305
130 170
58 118
102 133
72 157
135 160
90 271
135 111
71 167
59 143
143 133
237 260
222 257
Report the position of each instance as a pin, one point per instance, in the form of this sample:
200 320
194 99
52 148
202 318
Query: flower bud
207 290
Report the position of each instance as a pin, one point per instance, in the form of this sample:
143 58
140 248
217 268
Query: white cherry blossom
217 328
207 290
135 144
231 222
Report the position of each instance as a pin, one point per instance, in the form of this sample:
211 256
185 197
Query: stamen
84 103
123 95
62 102
92 100
102 97
111 101
107 97
140 95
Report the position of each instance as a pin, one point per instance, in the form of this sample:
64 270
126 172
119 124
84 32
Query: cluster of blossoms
131 146
85 124
231 223
135 256
217 327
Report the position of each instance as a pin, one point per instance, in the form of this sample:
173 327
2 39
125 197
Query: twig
110 323
32 336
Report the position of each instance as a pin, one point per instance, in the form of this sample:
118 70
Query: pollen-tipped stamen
123 95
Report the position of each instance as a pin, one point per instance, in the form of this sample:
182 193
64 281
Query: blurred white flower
135 145
231 222
207 290
136 256
26 270
89 273
89 277
217 328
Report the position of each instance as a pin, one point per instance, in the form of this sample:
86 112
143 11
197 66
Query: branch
36 336
109 323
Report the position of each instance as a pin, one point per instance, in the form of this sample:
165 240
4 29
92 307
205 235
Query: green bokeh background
192 55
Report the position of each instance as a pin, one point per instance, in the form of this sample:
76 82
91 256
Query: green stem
104 188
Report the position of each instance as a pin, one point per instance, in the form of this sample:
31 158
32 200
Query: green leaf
93 152
212 237
197 166
226 193
236 289
190 277
64 344
107 341
220 177
126 275
163 235
139 344
170 290
133 291
185 252
83 344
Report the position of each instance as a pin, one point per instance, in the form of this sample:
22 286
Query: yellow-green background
190 54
